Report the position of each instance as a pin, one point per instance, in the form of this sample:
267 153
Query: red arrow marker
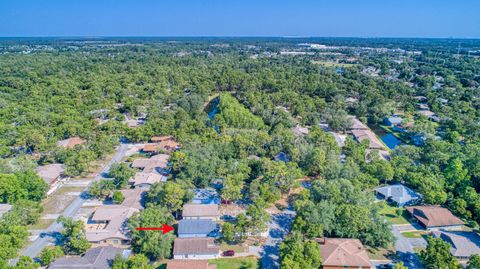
165 228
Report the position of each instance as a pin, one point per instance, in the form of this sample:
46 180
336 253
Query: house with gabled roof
197 228
51 174
95 258
201 211
195 248
343 253
463 243
71 142
398 194
108 225
146 180
434 217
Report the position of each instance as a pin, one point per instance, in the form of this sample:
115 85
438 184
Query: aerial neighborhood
239 153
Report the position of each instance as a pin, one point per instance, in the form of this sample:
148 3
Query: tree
232 187
258 217
26 262
169 195
73 235
400 265
298 253
228 232
152 244
117 197
101 189
121 173
474 262
49 254
437 255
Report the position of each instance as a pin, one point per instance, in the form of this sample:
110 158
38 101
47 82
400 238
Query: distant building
199 211
108 225
463 244
393 120
95 258
157 163
190 264
71 142
197 228
205 196
195 249
374 142
435 217
357 124
4 208
343 253
398 195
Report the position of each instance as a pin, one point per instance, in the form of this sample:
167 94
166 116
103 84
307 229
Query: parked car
229 253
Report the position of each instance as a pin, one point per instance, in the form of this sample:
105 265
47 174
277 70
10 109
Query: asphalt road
278 227
48 236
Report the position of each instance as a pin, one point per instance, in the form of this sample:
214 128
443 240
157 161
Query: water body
389 139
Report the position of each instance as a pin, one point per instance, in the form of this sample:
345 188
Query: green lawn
390 214
413 234
236 263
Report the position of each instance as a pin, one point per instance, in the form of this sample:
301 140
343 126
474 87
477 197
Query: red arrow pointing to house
165 228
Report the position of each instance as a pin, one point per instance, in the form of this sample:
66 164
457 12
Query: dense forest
233 104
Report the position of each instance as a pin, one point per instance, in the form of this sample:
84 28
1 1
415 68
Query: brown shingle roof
71 142
116 217
151 148
434 216
133 198
146 178
51 172
190 264
199 210
344 252
195 246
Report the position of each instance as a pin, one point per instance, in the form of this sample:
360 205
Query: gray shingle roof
463 244
398 193
200 226
95 258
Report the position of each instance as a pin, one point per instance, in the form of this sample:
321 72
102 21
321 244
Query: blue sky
350 18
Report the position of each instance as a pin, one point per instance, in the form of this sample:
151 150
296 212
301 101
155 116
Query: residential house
199 211
4 208
151 148
190 264
197 228
167 143
393 120
134 198
374 142
195 249
71 142
157 163
205 196
51 174
146 180
95 258
434 217
463 244
357 124
343 253
300 131
398 195
108 225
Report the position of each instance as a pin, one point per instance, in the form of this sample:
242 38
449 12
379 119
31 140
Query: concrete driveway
404 246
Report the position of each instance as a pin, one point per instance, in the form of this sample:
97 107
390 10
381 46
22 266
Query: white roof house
398 194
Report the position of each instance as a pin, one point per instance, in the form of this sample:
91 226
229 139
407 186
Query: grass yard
413 234
236 263
381 253
41 224
391 215
236 248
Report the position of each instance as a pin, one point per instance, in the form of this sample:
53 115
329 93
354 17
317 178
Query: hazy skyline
344 18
